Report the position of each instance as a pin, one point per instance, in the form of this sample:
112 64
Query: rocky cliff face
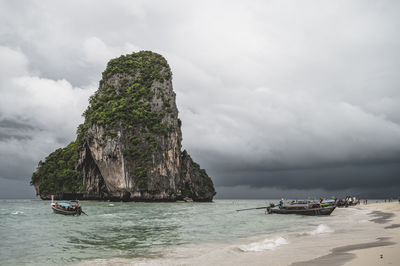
130 143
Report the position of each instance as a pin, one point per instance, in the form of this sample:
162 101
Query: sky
277 98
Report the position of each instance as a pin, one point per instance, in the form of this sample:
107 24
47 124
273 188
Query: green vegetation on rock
126 105
57 173
151 67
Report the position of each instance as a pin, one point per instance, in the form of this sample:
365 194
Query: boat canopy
64 204
328 201
295 205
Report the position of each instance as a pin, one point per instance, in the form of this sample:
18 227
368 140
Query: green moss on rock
128 103
57 173
150 66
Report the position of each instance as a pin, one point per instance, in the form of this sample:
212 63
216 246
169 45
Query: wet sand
384 255
383 251
341 255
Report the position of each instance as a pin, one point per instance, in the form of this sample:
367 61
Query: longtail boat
302 211
66 208
301 208
348 201
328 202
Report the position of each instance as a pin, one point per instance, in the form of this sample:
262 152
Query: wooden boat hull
66 212
314 211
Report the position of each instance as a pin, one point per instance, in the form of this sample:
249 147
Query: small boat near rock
66 208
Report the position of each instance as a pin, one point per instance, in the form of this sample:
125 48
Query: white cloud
48 111
96 51
14 63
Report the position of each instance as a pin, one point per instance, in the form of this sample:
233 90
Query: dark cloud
346 177
13 134
19 130
272 96
14 124
16 167
246 192
15 189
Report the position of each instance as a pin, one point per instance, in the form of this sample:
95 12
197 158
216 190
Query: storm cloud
293 98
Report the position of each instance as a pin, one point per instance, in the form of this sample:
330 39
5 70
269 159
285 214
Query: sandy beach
382 250
371 238
383 255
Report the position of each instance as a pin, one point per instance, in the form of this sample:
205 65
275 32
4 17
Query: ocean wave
17 212
321 229
267 244
108 215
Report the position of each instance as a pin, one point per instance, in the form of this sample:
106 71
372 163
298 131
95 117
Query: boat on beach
348 201
303 207
328 202
299 207
302 211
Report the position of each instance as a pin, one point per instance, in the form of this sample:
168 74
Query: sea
132 233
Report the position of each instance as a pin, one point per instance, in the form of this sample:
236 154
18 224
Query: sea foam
267 244
108 215
321 229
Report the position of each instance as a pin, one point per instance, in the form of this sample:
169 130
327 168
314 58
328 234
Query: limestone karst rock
129 147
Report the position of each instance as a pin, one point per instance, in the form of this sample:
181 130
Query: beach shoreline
376 232
381 251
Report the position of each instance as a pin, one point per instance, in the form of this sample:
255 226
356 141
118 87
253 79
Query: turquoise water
31 233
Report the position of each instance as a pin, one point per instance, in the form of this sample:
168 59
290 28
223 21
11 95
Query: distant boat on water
66 208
